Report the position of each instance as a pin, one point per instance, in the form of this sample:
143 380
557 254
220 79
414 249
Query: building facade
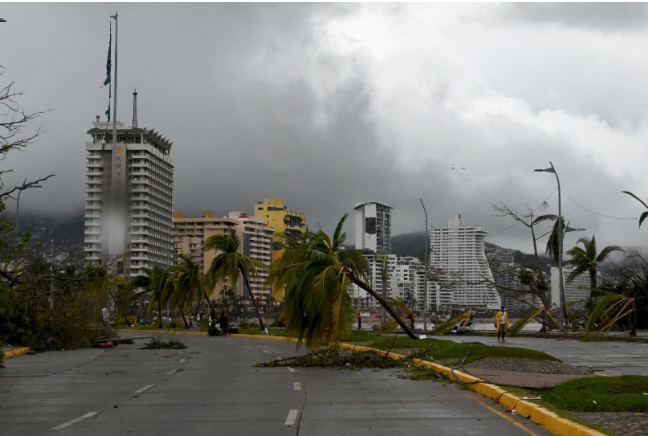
458 260
405 280
576 290
373 227
256 242
191 234
285 222
139 220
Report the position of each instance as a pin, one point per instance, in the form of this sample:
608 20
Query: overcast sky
329 105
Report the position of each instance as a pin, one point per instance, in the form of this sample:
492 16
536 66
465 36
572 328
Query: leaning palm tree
227 265
643 215
586 260
317 275
190 283
154 282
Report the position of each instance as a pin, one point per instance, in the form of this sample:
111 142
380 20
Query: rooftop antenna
135 108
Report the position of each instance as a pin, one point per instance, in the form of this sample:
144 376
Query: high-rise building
458 257
255 237
284 221
373 227
576 290
191 234
140 217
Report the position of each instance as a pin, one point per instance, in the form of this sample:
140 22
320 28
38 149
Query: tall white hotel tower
373 227
458 255
142 216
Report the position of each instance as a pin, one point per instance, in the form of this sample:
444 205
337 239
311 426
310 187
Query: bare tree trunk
384 291
127 321
184 318
252 297
384 304
209 303
535 245
633 316
160 311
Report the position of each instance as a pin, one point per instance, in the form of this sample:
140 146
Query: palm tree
225 267
586 259
154 281
317 274
643 215
191 282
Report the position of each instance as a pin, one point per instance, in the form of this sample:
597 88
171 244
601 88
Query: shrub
157 344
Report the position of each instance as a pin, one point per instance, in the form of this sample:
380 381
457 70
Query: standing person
501 323
223 321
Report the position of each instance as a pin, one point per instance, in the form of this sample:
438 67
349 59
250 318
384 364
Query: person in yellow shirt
501 323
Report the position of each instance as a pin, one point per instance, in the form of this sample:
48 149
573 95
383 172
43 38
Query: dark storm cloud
266 100
592 16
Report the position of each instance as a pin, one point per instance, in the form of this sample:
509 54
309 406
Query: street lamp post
425 279
560 250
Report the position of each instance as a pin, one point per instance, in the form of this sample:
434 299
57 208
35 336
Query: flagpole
113 182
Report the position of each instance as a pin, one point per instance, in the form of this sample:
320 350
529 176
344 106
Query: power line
509 227
596 213
517 222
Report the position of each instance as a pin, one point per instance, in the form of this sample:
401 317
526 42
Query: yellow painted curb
538 414
16 353
509 401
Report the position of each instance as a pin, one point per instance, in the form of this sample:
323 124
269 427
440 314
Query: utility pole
560 255
425 280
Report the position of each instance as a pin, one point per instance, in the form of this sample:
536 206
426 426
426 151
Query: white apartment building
256 242
457 256
373 227
576 290
405 280
144 207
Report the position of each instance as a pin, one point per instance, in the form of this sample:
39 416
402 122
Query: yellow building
285 222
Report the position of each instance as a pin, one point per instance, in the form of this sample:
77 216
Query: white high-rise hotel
373 227
147 189
457 255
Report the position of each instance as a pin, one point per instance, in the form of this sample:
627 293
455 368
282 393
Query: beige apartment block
255 242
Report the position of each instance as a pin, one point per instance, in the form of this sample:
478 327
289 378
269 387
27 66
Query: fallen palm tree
446 327
518 326
610 309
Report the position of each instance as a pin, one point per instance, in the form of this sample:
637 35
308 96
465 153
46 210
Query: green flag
108 62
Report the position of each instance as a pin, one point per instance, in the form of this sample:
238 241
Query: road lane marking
171 372
290 369
497 412
249 346
145 388
266 351
74 421
183 360
297 386
279 357
292 417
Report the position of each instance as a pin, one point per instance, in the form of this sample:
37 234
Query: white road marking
279 357
266 351
228 342
183 360
74 421
249 346
297 386
171 372
292 417
290 369
145 388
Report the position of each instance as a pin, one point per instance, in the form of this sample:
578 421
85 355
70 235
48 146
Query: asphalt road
605 357
213 388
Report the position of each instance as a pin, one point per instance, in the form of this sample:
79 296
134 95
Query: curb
17 352
538 414
163 332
